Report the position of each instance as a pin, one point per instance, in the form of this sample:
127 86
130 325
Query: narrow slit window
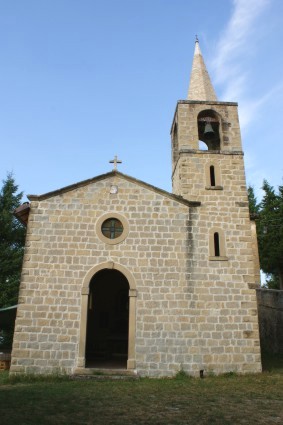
216 245
212 175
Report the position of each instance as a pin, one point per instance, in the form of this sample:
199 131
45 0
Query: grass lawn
230 399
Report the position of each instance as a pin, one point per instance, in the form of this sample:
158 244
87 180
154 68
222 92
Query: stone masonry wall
224 288
62 246
191 313
227 283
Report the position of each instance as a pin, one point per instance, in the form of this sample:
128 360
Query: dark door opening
108 320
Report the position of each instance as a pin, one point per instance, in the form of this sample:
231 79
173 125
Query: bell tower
205 138
222 258
208 166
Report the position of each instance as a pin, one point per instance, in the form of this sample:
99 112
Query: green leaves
253 205
270 231
12 237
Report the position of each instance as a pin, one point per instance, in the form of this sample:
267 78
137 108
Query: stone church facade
119 274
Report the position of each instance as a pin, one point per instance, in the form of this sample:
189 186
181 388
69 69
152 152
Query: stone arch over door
131 363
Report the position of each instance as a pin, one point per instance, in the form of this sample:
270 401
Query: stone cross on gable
115 161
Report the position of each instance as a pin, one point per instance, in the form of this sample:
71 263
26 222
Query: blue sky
84 80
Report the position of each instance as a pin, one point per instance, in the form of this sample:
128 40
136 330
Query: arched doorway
108 320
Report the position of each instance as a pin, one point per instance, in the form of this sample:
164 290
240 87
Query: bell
208 131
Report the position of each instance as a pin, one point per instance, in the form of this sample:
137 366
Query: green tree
269 219
253 205
272 281
270 233
12 237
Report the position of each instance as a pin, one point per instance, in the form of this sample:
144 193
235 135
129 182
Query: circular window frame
108 216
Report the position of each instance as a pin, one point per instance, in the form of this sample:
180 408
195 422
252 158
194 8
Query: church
121 275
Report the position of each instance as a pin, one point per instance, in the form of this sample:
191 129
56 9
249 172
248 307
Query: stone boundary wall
270 314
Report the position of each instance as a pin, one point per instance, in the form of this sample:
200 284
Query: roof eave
113 174
22 213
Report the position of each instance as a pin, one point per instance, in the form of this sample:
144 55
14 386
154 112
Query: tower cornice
207 102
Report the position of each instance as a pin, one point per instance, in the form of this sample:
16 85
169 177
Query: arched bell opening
208 129
202 146
107 335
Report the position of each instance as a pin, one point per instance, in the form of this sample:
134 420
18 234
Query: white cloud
233 64
250 107
236 43
236 70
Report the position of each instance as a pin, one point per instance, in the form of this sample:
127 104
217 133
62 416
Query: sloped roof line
109 175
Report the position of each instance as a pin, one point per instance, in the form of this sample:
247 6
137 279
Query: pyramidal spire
200 87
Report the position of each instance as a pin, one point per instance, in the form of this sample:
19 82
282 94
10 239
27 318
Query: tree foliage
12 237
270 232
253 205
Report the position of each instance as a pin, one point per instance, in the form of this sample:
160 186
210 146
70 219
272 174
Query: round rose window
112 228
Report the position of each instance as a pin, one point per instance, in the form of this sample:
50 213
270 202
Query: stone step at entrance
104 374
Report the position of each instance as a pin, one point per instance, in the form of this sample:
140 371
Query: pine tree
253 205
270 233
12 237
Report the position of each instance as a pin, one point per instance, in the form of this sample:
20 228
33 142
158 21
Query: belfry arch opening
107 335
208 130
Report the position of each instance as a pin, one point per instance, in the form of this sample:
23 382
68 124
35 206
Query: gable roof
107 176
